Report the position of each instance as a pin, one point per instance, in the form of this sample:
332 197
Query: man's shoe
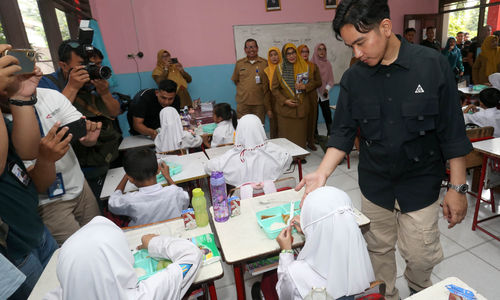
412 291
312 147
255 292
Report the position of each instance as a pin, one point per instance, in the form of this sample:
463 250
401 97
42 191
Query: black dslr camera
85 37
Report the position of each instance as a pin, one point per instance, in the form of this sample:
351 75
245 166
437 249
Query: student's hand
270 114
284 239
470 107
312 181
78 76
52 148
8 66
26 84
164 169
454 207
296 223
291 103
145 241
93 132
300 86
101 86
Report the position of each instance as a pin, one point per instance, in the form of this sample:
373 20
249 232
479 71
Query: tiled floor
472 256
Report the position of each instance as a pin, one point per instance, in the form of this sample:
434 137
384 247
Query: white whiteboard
311 34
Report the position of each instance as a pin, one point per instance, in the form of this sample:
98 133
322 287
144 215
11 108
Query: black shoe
412 291
256 291
303 161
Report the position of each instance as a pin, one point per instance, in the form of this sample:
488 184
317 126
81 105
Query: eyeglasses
251 47
291 53
321 49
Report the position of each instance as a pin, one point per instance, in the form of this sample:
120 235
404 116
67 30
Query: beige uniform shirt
248 92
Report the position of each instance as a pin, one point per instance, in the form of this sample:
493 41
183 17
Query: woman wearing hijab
172 136
96 263
253 158
454 56
323 92
311 96
166 69
273 60
288 88
334 256
487 61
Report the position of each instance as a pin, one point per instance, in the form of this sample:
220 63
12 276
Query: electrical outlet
130 56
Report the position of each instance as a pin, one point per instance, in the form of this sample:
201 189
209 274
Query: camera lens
96 72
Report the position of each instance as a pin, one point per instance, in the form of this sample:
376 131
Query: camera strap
92 108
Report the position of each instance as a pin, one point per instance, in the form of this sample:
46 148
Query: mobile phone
175 60
26 57
77 128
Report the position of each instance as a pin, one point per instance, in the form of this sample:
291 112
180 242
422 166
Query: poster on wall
272 5
331 4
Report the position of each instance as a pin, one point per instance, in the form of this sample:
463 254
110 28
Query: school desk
466 90
438 291
297 152
192 169
241 238
174 227
139 141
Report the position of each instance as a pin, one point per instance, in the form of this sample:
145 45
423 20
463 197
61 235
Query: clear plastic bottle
219 197
200 207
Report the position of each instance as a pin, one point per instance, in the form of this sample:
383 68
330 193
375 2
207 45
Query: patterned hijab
289 71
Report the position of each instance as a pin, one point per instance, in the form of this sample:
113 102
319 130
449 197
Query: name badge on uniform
57 188
19 174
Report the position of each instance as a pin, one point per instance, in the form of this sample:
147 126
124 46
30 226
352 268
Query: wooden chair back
475 159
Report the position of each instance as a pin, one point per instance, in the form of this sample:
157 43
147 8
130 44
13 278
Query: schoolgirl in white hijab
334 255
253 158
96 263
172 136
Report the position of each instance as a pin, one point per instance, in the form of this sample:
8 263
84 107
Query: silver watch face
463 188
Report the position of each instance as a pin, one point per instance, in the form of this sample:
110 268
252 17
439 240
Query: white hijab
171 133
335 251
96 263
252 159
494 79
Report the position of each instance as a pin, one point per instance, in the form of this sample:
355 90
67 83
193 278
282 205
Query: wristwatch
462 189
23 103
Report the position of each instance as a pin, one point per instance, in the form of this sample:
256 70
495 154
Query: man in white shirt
64 213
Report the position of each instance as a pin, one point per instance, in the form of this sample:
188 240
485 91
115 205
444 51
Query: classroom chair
282 184
174 152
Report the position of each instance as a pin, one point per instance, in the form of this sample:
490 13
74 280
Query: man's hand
179 67
27 84
52 148
93 131
284 239
78 76
312 181
8 66
291 103
145 241
101 86
454 207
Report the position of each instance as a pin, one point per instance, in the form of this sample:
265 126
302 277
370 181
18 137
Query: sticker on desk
458 293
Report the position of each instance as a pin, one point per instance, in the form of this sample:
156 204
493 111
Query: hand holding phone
77 128
55 144
26 58
174 60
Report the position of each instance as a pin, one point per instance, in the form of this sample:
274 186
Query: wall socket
131 56
139 54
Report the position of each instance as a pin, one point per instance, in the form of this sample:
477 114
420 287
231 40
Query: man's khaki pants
65 217
258 110
417 235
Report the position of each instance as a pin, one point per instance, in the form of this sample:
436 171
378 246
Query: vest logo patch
419 90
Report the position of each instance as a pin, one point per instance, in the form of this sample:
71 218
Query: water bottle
257 76
200 207
219 197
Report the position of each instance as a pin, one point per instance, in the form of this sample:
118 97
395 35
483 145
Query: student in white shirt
487 114
64 214
253 158
96 263
172 136
226 120
334 255
152 202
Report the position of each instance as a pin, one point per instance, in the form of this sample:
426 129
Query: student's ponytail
234 118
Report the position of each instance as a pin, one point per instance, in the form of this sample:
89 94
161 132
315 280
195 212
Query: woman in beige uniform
273 60
288 89
166 69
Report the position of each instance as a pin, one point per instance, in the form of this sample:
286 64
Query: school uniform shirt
248 91
51 107
96 263
149 204
410 121
334 255
223 134
253 158
485 117
172 136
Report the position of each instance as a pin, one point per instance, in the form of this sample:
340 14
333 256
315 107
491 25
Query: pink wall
200 32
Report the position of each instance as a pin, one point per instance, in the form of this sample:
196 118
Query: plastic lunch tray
209 128
276 213
174 169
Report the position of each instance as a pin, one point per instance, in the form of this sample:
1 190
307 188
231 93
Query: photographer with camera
93 99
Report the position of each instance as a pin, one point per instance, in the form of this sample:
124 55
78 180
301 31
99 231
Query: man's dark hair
140 164
430 28
251 40
489 97
97 53
67 47
364 15
460 32
411 29
168 86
